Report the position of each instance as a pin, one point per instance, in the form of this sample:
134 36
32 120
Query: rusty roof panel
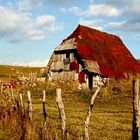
112 56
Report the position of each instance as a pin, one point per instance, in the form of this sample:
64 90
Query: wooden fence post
21 102
44 110
1 89
61 112
29 105
136 107
89 112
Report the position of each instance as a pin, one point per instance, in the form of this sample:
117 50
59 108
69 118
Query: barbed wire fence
69 127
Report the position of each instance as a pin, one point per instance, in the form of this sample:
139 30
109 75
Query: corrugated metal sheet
67 45
92 66
112 56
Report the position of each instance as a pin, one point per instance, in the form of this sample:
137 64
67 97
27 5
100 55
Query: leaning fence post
29 105
136 107
89 112
61 112
44 110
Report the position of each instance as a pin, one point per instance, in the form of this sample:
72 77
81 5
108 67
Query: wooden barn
90 56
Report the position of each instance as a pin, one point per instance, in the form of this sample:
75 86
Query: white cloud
55 26
25 5
102 10
48 22
35 35
97 10
96 24
18 26
11 22
131 8
113 14
44 20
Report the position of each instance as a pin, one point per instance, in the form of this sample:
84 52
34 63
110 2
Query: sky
30 30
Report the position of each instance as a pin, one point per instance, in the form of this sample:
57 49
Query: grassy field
111 118
7 71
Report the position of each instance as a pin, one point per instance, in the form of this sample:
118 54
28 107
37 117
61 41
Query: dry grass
111 117
7 71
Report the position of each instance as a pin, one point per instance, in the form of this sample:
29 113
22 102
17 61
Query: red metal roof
112 56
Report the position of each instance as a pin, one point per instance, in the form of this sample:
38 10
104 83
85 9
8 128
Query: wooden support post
29 105
90 81
89 112
61 112
44 110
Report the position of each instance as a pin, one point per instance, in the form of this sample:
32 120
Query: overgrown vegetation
111 118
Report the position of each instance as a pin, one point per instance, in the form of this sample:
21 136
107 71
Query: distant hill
14 71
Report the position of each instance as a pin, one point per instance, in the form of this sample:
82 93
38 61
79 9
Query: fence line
83 110
67 130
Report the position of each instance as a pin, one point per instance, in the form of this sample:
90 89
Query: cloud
96 24
117 18
47 22
44 20
26 5
61 3
19 26
124 26
131 8
97 10
35 34
12 24
102 10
